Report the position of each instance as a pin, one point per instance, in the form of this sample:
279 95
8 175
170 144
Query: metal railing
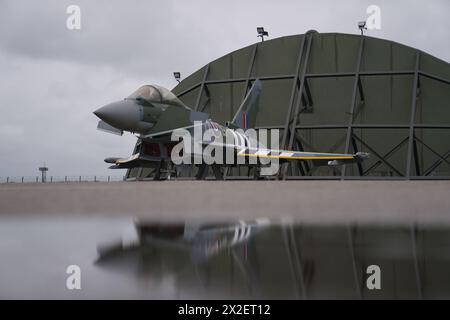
52 179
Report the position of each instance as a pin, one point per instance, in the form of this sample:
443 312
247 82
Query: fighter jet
200 241
154 113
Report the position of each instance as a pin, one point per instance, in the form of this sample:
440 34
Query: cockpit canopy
158 94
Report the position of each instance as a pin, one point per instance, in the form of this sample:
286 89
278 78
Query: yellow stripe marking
299 158
133 157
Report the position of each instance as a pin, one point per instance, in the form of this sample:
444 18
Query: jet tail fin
245 117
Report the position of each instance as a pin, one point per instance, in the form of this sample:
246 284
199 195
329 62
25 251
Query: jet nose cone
108 112
99 112
124 115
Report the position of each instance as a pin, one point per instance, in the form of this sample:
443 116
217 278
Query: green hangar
333 92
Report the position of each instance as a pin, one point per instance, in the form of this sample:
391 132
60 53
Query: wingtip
362 155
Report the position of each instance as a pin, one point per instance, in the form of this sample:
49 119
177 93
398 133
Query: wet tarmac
231 240
121 258
307 201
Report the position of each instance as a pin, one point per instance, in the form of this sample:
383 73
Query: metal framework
300 101
356 246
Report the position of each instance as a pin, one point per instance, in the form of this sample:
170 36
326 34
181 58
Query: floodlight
177 76
362 26
262 33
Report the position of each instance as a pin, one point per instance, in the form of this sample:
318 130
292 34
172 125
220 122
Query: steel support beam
436 164
293 90
413 233
353 102
434 77
249 71
360 90
294 263
378 155
355 148
300 163
300 92
321 75
432 150
309 100
386 156
360 126
208 95
292 101
412 118
416 158
356 276
300 141
292 129
297 261
245 271
202 87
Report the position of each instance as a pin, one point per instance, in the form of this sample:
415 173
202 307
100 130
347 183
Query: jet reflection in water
269 259
184 252
200 242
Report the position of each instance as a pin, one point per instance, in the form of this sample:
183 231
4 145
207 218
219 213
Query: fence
51 179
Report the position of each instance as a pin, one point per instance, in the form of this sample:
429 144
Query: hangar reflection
277 260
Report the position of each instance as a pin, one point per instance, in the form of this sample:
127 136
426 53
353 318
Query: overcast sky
52 78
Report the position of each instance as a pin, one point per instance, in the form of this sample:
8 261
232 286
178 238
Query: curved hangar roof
358 93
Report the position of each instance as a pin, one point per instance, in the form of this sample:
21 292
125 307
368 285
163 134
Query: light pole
262 33
362 27
177 76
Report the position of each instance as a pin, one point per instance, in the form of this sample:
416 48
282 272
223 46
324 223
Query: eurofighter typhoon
160 120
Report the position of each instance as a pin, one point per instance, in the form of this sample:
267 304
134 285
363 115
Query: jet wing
318 158
330 159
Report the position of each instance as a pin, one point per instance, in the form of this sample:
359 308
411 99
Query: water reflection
263 259
236 259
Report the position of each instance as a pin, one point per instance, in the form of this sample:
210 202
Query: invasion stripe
262 153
